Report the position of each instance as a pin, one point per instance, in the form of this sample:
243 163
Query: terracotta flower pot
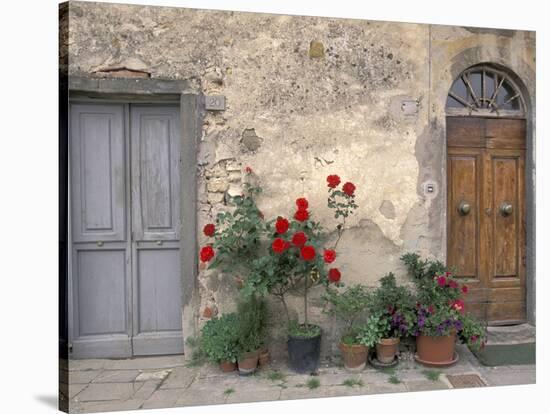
248 362
437 350
355 356
264 358
228 366
387 349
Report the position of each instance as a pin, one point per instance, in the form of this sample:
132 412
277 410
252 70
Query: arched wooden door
486 142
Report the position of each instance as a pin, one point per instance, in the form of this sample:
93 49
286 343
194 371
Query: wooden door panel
155 172
505 228
97 173
505 133
463 229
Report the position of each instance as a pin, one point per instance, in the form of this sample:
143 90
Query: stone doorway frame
191 106
524 82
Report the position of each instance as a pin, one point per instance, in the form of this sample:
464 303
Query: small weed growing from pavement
275 376
300 385
229 391
431 375
387 371
393 379
352 382
313 383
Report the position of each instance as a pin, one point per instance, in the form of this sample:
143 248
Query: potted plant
391 317
219 341
295 261
251 317
439 315
349 306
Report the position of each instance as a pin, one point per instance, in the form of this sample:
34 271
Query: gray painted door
125 226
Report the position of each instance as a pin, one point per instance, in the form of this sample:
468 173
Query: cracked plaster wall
293 112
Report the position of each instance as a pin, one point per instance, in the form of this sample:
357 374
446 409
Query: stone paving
98 385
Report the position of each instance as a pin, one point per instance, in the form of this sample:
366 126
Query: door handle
464 208
506 209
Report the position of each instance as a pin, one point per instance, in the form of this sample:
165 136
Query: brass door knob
506 209
464 208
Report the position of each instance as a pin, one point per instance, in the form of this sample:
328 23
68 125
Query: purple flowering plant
439 309
391 312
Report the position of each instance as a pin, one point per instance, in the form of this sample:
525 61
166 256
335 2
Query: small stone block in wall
208 312
316 49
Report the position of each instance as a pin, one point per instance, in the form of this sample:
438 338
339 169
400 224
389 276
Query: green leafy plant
370 333
228 391
353 382
198 357
313 383
302 330
431 375
251 323
238 233
275 376
394 379
219 338
349 307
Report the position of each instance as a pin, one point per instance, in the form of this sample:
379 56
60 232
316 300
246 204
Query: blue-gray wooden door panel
155 132
125 224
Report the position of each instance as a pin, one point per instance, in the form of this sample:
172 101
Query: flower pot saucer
432 364
377 364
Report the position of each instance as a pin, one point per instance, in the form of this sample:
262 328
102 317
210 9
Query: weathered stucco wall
307 97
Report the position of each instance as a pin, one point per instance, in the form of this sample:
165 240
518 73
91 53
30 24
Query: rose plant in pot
296 260
219 341
391 317
350 307
440 317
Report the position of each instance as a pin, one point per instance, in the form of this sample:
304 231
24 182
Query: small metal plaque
409 107
214 103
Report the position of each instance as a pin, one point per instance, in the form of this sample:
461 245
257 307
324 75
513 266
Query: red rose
302 203
441 281
307 253
464 289
301 215
453 284
329 256
248 170
334 275
209 230
278 245
349 188
458 305
299 239
333 181
281 225
207 253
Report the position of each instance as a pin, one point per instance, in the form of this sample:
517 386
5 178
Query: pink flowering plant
440 309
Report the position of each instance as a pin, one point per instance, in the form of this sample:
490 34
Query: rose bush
280 255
